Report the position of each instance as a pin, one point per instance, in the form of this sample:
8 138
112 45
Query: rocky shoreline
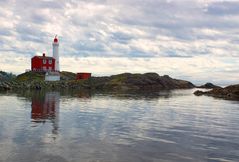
125 82
120 82
229 92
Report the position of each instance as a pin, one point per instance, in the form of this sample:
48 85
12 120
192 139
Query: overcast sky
196 40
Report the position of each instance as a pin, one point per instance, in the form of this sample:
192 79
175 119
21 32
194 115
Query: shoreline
119 82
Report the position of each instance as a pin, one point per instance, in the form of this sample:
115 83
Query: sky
195 40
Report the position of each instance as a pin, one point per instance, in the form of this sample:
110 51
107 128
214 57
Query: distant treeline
6 76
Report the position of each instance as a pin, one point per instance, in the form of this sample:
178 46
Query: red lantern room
55 39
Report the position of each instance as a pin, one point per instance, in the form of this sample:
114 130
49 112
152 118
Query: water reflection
83 126
46 107
84 94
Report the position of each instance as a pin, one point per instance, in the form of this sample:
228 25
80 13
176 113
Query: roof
56 39
43 57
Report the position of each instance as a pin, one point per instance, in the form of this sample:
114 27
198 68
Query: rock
5 86
5 76
229 92
198 93
38 87
121 82
208 86
145 82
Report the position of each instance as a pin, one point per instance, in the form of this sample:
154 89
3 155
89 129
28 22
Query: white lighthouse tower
55 46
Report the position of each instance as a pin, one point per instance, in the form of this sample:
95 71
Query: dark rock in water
198 93
230 92
209 86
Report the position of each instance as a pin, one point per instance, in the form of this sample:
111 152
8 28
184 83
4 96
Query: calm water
79 127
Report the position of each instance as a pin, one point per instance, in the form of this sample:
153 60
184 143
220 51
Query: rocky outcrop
145 82
5 79
230 92
120 82
5 86
6 76
208 86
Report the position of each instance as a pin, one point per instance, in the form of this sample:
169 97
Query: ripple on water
169 126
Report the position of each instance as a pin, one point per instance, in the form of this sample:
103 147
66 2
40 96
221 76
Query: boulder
198 93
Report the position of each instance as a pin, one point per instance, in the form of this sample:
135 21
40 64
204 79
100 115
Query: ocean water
170 126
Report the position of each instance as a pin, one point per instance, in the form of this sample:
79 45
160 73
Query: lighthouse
55 46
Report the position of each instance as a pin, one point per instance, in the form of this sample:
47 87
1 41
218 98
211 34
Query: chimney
43 54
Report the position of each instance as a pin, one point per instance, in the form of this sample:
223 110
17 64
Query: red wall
80 76
37 64
43 108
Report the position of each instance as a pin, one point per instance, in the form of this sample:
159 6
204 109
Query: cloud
123 29
224 8
94 27
219 70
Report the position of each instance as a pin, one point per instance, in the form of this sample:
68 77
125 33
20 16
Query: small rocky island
229 92
208 86
120 82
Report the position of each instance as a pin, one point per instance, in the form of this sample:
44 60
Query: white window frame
44 61
50 61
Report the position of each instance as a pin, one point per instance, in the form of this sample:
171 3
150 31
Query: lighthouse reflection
45 108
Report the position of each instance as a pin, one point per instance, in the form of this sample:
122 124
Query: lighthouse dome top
56 39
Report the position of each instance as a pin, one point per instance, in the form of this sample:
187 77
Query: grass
40 76
29 76
65 75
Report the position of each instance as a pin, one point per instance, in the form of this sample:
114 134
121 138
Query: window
50 61
44 61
